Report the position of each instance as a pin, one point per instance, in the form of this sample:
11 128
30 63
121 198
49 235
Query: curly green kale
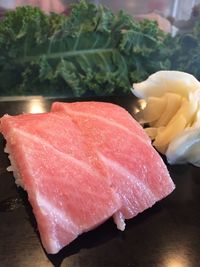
92 50
186 56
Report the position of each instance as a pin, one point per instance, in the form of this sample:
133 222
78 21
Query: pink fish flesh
81 164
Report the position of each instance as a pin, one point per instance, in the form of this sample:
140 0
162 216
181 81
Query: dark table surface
167 235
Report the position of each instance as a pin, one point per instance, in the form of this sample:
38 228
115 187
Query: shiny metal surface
167 235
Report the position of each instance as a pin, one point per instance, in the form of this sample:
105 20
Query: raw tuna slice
136 170
66 185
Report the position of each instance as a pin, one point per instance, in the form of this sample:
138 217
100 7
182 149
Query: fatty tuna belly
68 196
135 169
107 113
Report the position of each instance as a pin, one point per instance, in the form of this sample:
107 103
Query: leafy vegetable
90 51
186 56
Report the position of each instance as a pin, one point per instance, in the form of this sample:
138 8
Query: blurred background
170 14
176 8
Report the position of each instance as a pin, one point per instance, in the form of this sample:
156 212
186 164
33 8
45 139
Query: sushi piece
81 164
52 162
136 170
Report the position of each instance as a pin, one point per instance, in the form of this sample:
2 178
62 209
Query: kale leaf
92 50
186 56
